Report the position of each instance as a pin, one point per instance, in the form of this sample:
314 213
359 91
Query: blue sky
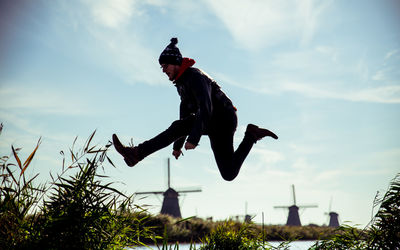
324 75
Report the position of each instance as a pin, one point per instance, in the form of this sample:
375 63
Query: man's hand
189 145
177 153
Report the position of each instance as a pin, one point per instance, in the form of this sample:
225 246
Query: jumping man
204 110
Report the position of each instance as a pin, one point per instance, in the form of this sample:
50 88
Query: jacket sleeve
201 90
183 112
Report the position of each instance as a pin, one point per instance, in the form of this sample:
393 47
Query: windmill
246 217
333 217
293 217
170 203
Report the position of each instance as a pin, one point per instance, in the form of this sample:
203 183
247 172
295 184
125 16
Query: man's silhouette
204 110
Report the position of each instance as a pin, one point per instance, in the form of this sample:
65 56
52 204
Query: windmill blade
281 207
150 192
169 174
189 190
308 206
294 195
328 216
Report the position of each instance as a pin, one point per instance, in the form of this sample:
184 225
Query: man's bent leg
222 147
229 161
221 138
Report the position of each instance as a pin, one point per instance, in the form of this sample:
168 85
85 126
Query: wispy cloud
113 37
18 121
42 101
392 53
388 72
326 72
257 23
129 57
386 94
267 157
112 14
305 149
382 94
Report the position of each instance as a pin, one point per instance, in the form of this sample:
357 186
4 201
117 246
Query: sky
323 75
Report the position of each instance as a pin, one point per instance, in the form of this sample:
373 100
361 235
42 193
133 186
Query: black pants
221 131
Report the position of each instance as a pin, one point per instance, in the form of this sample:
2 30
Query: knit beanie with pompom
171 54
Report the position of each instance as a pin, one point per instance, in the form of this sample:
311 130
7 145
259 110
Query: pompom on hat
171 54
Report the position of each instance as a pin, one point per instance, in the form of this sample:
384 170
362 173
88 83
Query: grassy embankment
194 229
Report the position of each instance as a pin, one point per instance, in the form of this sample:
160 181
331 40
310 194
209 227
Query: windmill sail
293 218
170 204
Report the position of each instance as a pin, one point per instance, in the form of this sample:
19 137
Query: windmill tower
170 203
293 217
333 217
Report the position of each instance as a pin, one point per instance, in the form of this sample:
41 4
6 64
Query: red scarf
186 63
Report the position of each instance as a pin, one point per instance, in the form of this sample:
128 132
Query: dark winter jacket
200 96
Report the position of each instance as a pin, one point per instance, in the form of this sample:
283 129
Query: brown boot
259 133
130 154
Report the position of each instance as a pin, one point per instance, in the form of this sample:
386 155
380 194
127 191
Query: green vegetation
79 211
383 231
230 236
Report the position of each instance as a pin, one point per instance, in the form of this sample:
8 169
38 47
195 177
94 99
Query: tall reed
18 198
77 211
